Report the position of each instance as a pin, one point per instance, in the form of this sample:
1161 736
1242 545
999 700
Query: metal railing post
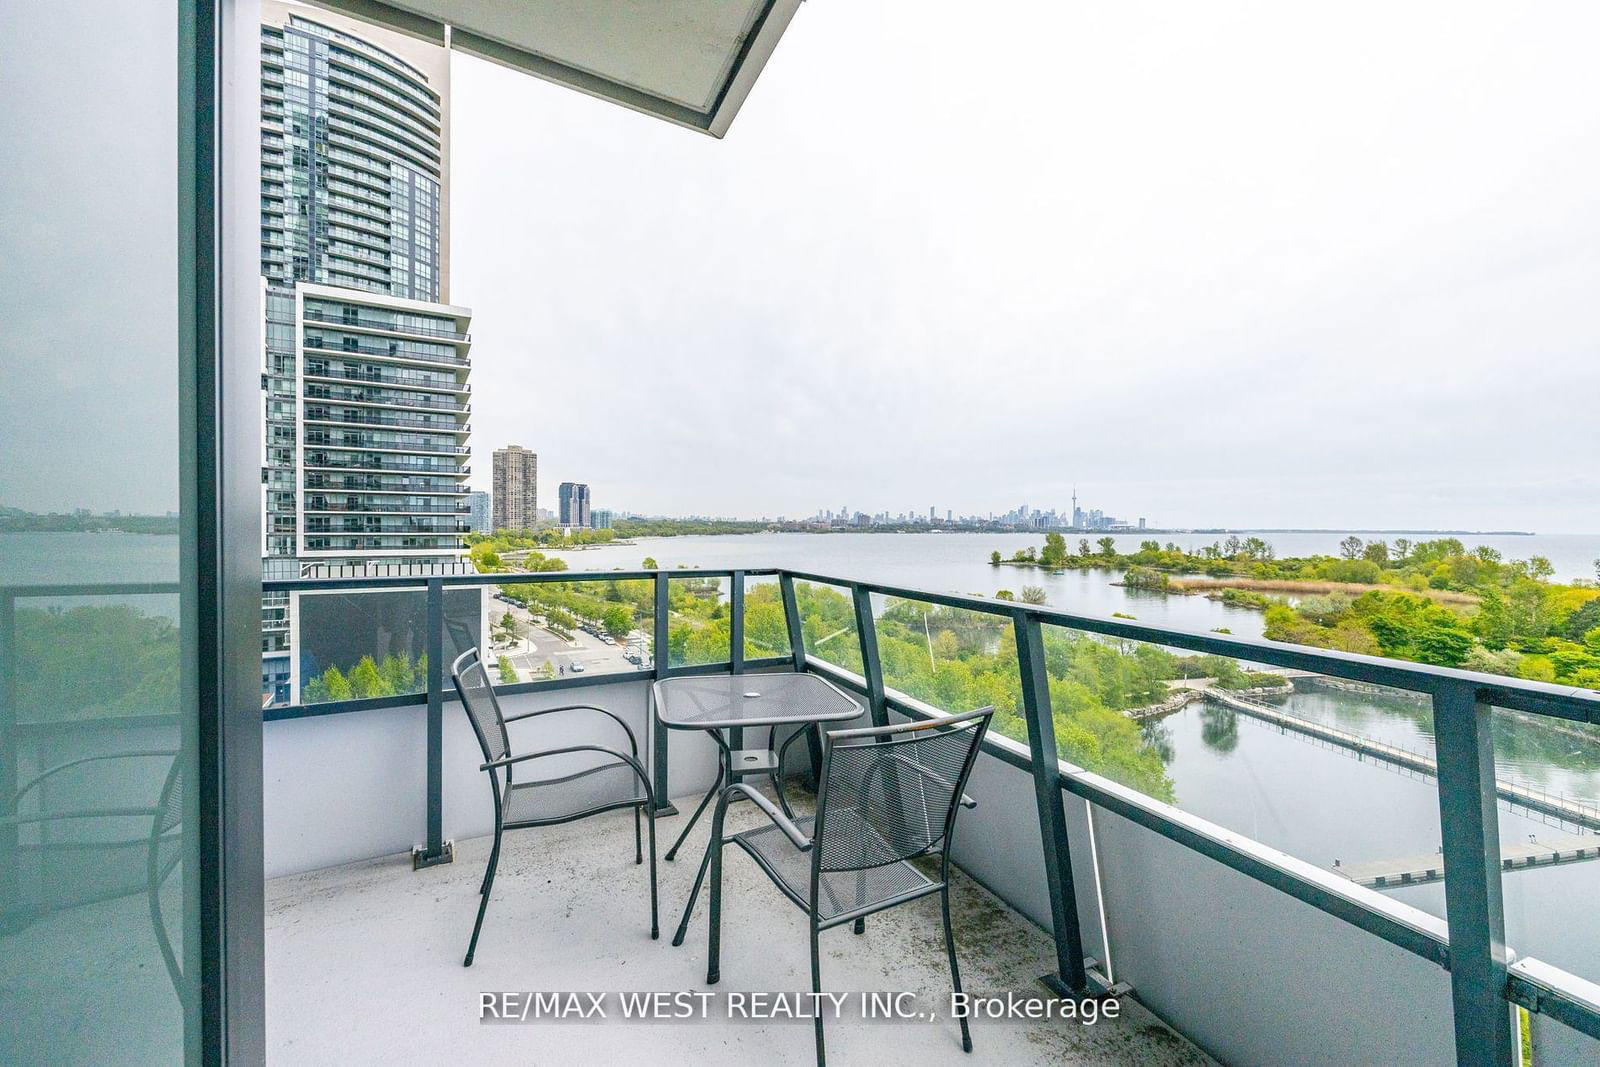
736 622
660 668
1470 826
797 650
1070 978
437 850
736 643
871 661
791 617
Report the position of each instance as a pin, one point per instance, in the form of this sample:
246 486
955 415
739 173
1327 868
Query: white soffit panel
691 62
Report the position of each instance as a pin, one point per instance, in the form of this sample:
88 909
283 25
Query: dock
1420 870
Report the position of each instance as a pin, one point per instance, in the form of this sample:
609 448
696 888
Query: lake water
1318 803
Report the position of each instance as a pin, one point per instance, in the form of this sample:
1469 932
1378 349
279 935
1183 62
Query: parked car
576 668
634 659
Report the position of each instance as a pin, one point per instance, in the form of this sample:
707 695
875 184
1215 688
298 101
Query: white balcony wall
353 786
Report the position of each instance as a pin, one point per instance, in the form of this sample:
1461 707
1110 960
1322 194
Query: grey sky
1216 264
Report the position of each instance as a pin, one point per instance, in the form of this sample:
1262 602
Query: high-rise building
602 518
365 371
516 488
574 498
480 513
355 142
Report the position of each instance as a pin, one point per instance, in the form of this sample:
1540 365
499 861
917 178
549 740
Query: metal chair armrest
779 819
633 743
777 774
613 753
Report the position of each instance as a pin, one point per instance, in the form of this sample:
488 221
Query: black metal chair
618 782
886 796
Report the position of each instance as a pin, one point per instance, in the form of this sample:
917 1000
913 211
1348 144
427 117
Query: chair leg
955 970
714 946
638 855
655 914
483 902
816 989
860 926
488 868
694 894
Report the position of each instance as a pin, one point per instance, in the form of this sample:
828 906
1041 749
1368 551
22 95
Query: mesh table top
713 702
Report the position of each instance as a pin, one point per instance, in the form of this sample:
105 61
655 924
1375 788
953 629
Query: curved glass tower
352 163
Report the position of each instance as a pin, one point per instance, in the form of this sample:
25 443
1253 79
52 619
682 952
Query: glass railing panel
540 631
698 626
1547 774
357 644
766 630
828 621
956 659
1335 772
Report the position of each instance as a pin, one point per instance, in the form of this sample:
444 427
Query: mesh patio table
718 703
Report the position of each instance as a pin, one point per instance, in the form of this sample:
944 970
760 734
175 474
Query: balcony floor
364 962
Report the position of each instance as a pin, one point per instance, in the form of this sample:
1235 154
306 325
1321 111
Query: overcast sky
1217 264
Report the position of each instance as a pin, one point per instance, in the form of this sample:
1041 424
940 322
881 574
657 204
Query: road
539 647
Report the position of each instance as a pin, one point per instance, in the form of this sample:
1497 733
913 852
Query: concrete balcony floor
364 963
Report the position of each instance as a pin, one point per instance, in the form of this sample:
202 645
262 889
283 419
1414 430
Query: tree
1351 547
335 686
1540 569
994 559
1377 552
1055 550
618 620
650 563
1004 594
1085 551
1032 594
508 673
1402 549
1108 547
1582 621
365 681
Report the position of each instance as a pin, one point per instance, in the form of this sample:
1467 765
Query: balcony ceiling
691 62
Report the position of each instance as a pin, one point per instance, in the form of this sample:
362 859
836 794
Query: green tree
1032 594
1083 548
1055 550
618 620
335 686
1108 547
1376 552
366 680
508 673
994 558
1351 547
1005 594
650 563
